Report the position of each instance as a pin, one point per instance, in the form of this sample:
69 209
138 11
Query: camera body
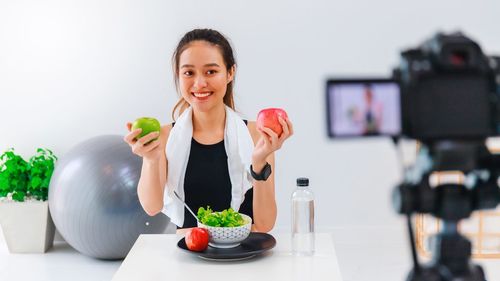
449 90
445 89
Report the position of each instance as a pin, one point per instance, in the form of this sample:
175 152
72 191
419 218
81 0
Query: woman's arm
264 198
154 175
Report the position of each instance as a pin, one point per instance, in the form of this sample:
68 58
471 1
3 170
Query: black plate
255 244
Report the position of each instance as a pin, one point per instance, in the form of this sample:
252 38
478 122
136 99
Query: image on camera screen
363 107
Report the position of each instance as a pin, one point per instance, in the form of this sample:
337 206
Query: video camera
446 95
444 89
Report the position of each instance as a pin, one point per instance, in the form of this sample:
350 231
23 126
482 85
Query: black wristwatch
263 175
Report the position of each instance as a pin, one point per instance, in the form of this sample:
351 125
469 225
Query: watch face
264 174
267 172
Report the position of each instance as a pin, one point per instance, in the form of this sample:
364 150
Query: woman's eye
211 71
188 73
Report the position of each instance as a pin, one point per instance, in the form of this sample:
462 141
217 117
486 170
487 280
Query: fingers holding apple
197 239
131 137
146 144
270 136
287 126
148 139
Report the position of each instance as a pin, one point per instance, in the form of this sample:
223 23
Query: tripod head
450 202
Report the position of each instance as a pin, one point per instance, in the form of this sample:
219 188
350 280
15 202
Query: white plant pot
27 226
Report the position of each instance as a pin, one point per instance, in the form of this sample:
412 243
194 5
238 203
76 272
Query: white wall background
71 70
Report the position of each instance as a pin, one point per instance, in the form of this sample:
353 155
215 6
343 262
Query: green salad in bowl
226 218
226 228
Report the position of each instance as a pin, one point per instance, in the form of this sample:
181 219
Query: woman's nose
200 82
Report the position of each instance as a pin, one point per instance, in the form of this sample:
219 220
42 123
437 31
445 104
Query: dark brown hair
217 39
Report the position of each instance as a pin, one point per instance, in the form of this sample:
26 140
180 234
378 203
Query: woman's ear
230 74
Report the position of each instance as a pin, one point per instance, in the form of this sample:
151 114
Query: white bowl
228 237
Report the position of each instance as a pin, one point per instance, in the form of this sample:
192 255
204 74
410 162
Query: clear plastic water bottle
303 219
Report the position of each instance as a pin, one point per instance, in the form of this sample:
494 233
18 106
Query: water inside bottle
303 226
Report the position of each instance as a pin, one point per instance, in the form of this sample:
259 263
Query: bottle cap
302 182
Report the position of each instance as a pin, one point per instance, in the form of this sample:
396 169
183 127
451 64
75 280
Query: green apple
147 124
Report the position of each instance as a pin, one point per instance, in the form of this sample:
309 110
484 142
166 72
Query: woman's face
203 77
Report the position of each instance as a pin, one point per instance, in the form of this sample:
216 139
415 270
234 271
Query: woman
372 113
207 128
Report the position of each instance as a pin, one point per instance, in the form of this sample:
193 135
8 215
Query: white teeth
201 95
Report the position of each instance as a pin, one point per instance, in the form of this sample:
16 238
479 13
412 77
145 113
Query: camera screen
363 107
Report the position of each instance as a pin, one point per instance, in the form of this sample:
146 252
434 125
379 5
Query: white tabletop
156 257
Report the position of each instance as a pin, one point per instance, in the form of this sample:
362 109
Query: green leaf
4 183
35 182
17 176
226 218
18 196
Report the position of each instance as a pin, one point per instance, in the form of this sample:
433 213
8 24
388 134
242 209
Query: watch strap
262 175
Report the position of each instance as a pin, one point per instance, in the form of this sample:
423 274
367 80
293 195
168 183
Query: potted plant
24 209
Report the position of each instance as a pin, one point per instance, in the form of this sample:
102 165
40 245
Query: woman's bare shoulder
165 132
252 128
166 128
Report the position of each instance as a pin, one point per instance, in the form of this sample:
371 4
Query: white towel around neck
238 144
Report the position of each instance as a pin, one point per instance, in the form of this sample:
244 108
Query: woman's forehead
200 53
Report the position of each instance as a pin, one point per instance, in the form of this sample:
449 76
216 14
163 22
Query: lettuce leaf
226 218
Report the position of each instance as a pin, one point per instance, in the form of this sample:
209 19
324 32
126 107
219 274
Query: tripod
450 203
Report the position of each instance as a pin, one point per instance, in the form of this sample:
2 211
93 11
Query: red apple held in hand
269 118
197 239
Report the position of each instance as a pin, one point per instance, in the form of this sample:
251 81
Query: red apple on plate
197 239
269 118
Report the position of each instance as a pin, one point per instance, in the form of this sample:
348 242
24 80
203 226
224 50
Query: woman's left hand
270 142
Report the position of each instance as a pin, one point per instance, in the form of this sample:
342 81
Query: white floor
364 254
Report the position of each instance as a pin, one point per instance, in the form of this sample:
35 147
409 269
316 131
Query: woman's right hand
146 147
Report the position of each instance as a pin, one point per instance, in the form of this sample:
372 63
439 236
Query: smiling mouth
202 95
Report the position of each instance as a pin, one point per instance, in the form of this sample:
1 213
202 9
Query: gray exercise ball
93 199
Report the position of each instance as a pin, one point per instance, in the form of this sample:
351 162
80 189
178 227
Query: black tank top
207 181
